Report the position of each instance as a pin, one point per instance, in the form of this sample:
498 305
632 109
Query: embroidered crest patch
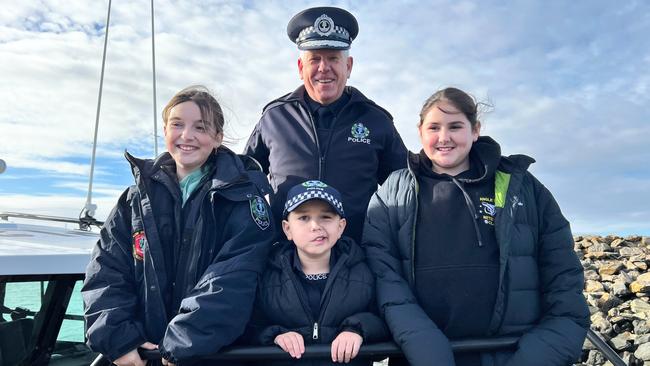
139 243
314 184
359 133
487 210
259 213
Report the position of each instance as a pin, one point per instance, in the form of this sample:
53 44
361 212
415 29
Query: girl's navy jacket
346 303
180 276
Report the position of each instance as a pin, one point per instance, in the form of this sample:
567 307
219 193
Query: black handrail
370 351
322 351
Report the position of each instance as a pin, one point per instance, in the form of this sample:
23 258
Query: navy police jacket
190 291
539 295
362 150
347 302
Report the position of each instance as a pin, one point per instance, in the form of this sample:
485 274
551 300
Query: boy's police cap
313 190
323 27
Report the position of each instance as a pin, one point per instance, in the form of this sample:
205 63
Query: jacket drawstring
472 210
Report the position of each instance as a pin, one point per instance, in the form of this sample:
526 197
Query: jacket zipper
314 334
286 266
315 135
415 220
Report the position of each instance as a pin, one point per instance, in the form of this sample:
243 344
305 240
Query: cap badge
314 184
324 25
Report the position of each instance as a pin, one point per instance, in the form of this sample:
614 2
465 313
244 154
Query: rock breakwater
617 289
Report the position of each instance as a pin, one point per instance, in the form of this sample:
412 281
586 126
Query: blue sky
569 83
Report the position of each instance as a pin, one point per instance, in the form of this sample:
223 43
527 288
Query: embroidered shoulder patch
259 213
139 243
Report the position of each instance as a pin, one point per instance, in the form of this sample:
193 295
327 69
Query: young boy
317 287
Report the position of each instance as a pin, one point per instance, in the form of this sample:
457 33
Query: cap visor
323 44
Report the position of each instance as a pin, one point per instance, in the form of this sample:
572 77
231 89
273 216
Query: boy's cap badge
314 184
139 243
259 213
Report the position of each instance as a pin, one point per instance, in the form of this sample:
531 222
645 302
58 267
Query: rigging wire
89 208
153 61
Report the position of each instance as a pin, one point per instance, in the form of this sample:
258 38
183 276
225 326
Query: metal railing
84 222
375 351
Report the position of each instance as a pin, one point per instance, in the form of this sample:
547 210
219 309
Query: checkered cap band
311 194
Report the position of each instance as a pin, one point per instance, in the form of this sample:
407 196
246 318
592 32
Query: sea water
28 295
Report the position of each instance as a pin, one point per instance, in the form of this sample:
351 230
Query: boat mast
153 61
88 211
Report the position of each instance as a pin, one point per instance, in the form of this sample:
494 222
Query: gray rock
625 277
622 341
610 268
641 339
599 247
608 301
588 345
631 251
642 352
639 306
641 326
595 358
641 284
600 324
592 275
619 288
595 286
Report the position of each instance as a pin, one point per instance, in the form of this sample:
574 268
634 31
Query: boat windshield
41 310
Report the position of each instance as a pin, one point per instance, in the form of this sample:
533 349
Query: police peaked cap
323 27
313 190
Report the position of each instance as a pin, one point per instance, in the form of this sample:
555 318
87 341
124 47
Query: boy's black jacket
347 301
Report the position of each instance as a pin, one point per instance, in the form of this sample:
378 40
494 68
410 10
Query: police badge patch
259 213
359 133
139 243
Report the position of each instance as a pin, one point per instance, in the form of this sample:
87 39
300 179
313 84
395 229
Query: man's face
324 73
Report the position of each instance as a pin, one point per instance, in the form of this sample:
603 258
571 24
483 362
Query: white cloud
568 81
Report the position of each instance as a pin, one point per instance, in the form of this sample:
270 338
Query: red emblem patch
139 242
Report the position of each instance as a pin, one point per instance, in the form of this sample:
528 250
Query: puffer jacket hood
486 154
486 151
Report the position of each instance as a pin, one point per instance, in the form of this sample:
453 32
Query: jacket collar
298 95
227 168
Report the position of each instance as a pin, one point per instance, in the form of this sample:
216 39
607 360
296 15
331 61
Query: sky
568 82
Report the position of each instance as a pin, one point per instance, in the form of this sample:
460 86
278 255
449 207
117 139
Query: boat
40 267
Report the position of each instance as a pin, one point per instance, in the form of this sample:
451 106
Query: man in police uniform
325 130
